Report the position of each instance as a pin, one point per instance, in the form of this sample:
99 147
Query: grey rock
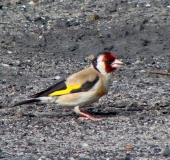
166 152
52 38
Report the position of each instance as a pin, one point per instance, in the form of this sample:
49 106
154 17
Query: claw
84 115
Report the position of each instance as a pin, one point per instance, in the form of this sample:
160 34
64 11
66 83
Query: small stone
89 58
84 145
112 8
148 5
157 150
57 77
109 48
141 4
9 52
122 104
142 71
63 23
30 157
166 152
138 27
71 158
31 2
92 17
5 65
133 5
72 48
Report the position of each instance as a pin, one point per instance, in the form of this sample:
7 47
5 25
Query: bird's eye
108 61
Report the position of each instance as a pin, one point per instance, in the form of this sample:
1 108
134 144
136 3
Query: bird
82 88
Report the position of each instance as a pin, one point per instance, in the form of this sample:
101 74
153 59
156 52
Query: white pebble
57 77
84 145
31 2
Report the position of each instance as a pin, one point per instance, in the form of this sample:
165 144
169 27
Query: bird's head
106 62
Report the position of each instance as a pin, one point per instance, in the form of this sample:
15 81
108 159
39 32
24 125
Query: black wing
56 87
62 86
86 86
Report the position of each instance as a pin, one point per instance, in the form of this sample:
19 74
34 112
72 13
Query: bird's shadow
70 113
103 113
55 112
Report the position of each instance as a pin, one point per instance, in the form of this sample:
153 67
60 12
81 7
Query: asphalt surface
46 40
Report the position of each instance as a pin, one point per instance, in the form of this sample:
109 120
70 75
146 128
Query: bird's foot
84 115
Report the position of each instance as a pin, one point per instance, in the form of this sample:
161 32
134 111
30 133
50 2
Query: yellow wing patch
65 91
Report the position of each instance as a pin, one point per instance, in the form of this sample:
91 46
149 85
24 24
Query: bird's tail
27 102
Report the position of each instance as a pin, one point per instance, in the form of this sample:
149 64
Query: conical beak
117 63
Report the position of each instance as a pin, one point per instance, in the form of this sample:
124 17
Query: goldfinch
82 88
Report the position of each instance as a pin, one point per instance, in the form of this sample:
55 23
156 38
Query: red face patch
108 59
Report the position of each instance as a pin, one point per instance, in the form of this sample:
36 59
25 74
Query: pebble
84 145
57 77
166 152
52 38
92 17
31 2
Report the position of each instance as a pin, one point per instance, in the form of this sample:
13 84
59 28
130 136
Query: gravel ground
43 40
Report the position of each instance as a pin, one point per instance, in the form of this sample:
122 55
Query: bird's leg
84 115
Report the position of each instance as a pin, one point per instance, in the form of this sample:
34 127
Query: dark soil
49 39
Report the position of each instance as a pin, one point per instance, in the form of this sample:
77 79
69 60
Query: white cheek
100 65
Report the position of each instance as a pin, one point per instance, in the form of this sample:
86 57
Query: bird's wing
65 87
56 87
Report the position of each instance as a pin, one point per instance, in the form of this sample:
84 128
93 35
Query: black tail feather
56 87
26 102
